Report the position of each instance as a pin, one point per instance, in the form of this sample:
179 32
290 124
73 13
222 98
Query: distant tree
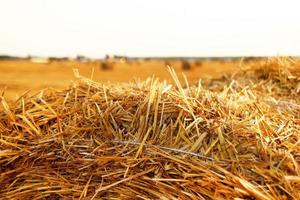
53 59
80 57
7 57
250 59
4 57
106 57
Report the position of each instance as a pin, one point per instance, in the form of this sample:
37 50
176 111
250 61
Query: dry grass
21 76
232 137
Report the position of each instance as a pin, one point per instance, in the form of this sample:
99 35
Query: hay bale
106 65
167 63
198 63
185 65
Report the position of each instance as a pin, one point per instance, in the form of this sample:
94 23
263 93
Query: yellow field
21 76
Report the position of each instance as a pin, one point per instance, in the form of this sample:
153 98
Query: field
21 76
230 136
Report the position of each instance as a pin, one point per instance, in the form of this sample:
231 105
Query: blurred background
42 41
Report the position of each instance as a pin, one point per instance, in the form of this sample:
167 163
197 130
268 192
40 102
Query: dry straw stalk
234 137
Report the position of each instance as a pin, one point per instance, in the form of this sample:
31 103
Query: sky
94 28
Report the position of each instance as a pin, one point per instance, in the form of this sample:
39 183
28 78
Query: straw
236 137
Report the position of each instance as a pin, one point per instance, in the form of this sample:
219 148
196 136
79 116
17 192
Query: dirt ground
17 77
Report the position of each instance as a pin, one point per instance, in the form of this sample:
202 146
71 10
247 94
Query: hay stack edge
235 137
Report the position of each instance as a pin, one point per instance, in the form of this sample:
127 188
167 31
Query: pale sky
150 28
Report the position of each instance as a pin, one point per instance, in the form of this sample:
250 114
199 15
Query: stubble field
17 77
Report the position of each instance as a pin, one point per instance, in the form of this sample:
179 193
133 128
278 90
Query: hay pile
220 139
